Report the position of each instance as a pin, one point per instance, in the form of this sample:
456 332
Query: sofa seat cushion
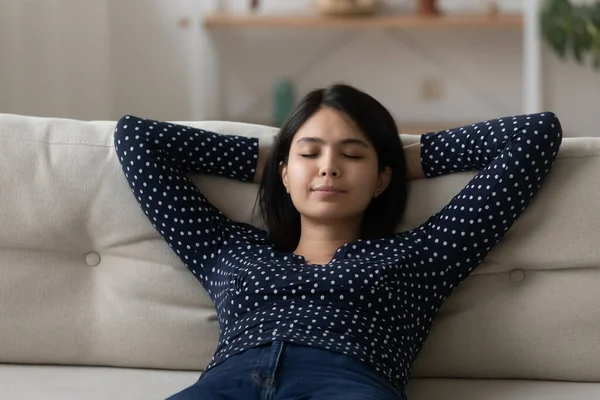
53 382
31 382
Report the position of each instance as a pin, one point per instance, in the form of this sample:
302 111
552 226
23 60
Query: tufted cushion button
517 275
92 258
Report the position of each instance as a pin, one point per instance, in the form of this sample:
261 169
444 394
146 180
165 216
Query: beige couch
94 305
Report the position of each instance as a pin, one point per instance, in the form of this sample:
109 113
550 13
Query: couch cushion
31 382
20 382
85 279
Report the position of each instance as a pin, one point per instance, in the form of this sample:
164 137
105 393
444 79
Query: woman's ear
383 182
283 173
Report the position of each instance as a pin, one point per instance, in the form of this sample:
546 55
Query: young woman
329 302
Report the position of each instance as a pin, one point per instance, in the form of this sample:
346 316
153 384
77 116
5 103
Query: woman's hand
263 155
414 169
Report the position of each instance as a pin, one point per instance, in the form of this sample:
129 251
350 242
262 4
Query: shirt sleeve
513 156
155 156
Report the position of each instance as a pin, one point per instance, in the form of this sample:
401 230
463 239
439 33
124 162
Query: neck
319 241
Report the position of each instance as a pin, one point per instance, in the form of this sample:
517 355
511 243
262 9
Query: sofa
95 305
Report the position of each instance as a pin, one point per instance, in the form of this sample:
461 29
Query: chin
329 211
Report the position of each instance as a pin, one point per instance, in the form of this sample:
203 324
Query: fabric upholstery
86 281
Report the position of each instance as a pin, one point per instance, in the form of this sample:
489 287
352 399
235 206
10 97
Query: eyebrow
307 139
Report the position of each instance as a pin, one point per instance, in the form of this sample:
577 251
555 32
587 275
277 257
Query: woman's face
332 169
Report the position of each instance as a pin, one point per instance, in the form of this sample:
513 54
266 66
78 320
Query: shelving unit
527 21
460 21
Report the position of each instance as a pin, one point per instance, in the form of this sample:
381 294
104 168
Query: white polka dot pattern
376 299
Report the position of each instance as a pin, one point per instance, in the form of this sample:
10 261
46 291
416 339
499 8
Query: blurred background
246 60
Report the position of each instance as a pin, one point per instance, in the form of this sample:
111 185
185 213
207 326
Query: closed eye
345 155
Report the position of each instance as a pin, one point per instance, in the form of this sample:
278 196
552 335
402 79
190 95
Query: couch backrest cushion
85 279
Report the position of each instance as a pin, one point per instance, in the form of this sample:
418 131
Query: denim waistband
281 370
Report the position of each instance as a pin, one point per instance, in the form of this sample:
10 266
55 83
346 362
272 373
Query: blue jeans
284 371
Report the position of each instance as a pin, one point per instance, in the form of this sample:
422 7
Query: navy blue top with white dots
376 299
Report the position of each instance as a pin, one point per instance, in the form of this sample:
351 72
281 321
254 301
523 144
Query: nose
331 173
329 167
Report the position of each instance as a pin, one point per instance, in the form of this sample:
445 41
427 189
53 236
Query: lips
328 189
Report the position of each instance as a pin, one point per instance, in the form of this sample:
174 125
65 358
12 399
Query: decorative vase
284 97
346 7
428 7
492 8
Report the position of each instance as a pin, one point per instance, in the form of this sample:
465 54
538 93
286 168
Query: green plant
572 26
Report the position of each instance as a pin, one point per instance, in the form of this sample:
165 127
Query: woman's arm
155 156
263 155
412 153
514 156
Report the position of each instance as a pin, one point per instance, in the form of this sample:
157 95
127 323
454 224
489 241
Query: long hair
374 120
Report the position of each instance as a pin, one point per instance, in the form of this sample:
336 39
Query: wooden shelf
514 20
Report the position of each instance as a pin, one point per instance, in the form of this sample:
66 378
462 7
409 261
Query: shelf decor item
346 7
284 98
428 7
492 9
569 27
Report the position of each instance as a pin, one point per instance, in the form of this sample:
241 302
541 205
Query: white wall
55 58
99 59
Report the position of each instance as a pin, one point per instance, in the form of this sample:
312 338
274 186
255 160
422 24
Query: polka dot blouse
376 299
